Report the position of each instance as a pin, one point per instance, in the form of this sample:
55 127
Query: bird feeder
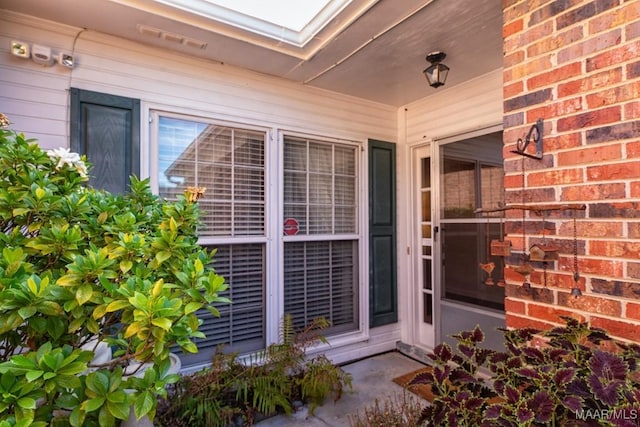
500 247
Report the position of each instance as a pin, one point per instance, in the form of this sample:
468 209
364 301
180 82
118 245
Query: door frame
416 324
433 147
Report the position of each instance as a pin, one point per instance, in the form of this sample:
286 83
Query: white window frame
274 237
362 332
154 115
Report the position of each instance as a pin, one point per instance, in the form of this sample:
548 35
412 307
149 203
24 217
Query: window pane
295 158
320 189
320 186
427 308
426 206
492 188
459 188
320 157
345 162
426 173
249 148
214 145
240 326
320 219
464 248
426 273
320 194
227 161
320 280
299 213
472 178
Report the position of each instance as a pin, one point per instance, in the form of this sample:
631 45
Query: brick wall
575 64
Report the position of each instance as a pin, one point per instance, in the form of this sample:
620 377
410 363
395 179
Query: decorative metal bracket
534 135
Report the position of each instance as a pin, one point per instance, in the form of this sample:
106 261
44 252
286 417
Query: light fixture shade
436 74
20 49
66 60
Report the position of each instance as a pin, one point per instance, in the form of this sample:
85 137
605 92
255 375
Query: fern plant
263 384
321 378
204 398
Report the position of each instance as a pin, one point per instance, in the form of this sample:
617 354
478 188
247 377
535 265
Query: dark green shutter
107 129
383 293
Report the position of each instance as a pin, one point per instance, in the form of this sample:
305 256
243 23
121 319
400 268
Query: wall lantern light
437 72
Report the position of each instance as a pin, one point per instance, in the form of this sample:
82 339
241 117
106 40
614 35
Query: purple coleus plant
572 380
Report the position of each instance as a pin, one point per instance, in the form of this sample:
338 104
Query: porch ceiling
372 49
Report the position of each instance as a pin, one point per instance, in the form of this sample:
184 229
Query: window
321 251
319 248
472 177
230 162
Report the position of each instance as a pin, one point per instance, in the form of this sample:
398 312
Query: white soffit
295 22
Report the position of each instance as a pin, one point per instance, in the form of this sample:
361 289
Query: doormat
422 390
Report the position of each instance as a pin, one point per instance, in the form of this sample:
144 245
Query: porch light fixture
20 49
41 54
436 73
66 60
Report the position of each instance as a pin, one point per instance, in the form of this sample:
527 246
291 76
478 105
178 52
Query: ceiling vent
149 31
197 44
171 37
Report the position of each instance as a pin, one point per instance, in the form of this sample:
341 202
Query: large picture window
230 163
321 252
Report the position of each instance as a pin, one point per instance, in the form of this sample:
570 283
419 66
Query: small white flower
81 168
63 157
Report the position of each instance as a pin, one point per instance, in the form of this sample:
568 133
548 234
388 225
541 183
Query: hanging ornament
501 247
524 269
575 291
488 266
542 251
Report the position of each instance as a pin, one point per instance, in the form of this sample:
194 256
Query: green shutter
383 292
106 128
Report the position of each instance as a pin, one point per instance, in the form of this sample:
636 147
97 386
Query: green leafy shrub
83 270
575 376
266 383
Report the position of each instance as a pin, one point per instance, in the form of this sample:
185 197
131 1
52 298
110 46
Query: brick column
576 65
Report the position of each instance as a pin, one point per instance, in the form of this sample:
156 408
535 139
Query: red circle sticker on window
291 226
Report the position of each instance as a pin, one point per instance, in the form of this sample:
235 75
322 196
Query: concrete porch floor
372 378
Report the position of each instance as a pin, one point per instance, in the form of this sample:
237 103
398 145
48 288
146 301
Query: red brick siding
574 63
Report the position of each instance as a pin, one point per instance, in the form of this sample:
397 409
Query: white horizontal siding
33 96
473 105
159 77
